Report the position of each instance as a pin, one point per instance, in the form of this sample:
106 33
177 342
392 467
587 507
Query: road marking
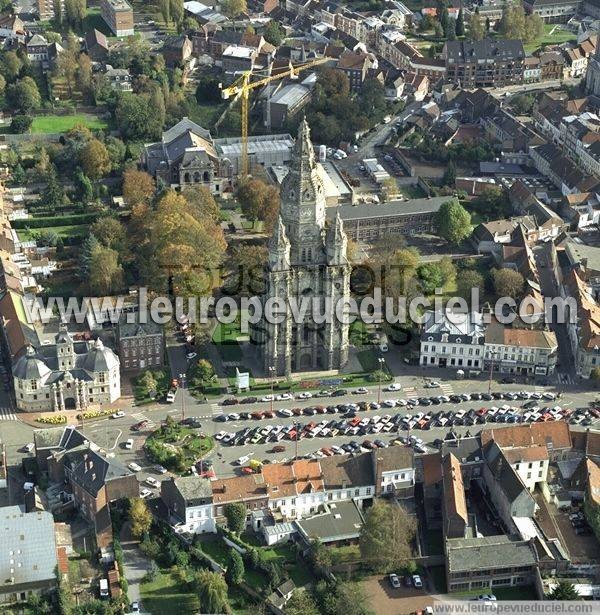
447 388
410 391
140 416
6 414
112 448
216 409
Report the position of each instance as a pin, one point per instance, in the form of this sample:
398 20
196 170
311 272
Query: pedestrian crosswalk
216 409
140 416
7 414
565 378
409 391
447 388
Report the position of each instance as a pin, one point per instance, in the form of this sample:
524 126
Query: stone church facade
592 76
307 260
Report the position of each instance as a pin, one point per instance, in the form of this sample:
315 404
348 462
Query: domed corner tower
307 261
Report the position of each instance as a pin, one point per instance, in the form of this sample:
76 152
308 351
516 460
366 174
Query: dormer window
458 340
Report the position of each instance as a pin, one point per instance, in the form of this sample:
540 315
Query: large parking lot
370 425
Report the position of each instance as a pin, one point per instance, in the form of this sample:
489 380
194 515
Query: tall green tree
177 11
165 10
466 281
235 514
235 568
23 95
301 603
387 536
508 283
453 222
476 26
233 8
273 33
564 591
140 517
212 591
460 23
449 178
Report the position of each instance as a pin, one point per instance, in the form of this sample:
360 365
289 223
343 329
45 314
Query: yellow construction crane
241 89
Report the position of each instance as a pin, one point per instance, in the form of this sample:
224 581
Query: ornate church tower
592 75
307 260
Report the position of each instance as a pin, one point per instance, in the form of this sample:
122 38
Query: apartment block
118 16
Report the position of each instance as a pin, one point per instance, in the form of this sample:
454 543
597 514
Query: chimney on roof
224 488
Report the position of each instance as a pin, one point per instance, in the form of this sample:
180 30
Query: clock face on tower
305 215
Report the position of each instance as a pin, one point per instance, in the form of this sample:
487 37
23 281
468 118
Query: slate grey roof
503 473
466 450
500 50
581 253
183 126
30 366
194 489
100 358
28 552
489 552
342 521
460 328
351 471
37 40
130 326
390 209
90 470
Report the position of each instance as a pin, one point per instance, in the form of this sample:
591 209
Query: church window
186 178
303 256
310 254
34 385
206 177
196 177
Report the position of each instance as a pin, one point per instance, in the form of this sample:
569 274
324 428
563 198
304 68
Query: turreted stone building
68 375
307 261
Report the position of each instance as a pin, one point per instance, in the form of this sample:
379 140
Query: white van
103 588
242 460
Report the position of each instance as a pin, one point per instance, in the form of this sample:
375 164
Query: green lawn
160 596
205 114
64 123
559 35
502 593
368 360
412 191
347 553
77 230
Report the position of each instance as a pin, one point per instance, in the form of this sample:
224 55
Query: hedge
54 419
44 222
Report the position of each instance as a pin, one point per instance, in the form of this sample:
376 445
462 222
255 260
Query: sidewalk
135 564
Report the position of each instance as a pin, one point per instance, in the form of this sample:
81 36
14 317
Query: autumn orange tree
176 241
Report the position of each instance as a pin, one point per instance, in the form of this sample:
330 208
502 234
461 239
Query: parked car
129 444
117 415
159 469
394 580
417 582
139 426
134 467
150 480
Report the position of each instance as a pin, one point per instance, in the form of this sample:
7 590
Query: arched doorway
70 403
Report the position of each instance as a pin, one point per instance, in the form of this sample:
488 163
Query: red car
269 415
257 415
139 426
